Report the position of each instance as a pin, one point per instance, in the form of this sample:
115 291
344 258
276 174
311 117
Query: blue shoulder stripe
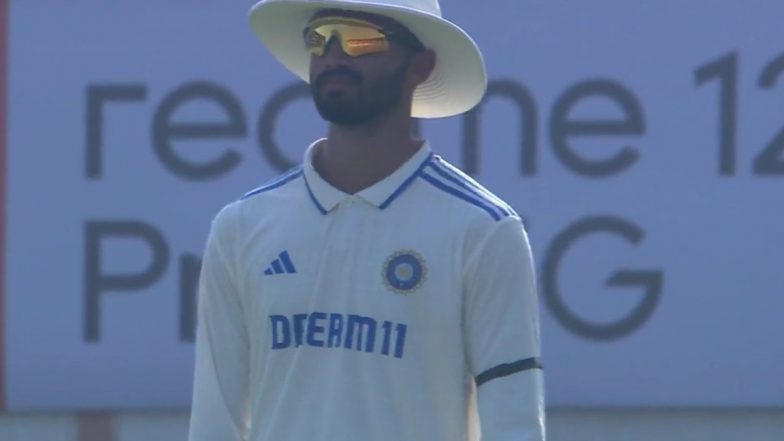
450 173
455 192
275 183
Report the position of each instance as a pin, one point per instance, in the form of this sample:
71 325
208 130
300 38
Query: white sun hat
457 83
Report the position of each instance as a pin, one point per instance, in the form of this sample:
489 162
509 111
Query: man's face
352 91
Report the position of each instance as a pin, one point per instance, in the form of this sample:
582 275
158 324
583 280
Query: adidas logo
281 265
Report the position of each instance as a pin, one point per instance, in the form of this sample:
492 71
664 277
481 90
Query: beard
370 101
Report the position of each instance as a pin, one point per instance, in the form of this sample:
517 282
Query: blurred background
642 142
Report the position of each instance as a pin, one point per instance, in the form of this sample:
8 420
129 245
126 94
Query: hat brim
456 85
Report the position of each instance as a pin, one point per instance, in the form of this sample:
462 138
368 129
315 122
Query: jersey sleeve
502 335
220 407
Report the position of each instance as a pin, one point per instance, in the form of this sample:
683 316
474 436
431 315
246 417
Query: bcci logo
404 272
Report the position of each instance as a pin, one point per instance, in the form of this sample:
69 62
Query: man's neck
355 158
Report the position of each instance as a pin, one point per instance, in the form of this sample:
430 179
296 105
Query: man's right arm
220 391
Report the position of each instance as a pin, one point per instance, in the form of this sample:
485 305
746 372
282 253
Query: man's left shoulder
472 199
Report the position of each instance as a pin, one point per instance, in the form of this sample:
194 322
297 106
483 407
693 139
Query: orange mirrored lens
357 37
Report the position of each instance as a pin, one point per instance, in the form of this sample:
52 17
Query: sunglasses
357 37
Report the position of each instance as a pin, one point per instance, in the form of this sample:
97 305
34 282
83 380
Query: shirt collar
381 194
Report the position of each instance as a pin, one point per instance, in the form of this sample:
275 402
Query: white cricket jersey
400 313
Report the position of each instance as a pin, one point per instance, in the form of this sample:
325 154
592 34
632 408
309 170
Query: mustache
338 72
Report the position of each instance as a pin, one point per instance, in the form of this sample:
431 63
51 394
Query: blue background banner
641 142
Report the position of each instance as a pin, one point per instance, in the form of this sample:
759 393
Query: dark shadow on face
338 72
362 100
